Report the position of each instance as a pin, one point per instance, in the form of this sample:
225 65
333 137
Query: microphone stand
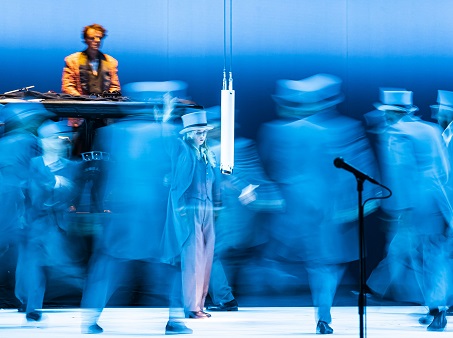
362 296
360 178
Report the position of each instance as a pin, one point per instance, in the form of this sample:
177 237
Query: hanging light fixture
227 100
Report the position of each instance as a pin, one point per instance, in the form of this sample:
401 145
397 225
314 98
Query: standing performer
189 231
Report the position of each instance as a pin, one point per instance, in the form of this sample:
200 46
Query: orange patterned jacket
75 79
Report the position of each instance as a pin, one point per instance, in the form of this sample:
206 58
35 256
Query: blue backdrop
369 44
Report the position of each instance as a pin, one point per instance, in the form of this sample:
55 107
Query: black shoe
197 315
174 327
232 305
439 322
92 329
428 318
207 314
449 311
33 316
323 328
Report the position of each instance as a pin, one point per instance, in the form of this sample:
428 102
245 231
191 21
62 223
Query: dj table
95 110
107 109
99 108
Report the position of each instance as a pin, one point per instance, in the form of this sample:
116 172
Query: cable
381 197
225 42
224 81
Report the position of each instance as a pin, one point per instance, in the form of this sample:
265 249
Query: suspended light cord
227 97
230 81
225 41
231 36
224 84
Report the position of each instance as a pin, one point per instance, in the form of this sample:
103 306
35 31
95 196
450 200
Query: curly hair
96 27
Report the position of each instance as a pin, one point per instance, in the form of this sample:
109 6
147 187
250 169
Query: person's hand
63 182
248 194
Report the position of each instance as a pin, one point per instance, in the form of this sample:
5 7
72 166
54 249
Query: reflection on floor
381 321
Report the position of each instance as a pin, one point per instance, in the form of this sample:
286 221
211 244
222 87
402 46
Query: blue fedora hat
315 93
395 99
443 110
444 100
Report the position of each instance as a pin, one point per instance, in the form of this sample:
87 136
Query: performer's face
199 136
57 145
93 39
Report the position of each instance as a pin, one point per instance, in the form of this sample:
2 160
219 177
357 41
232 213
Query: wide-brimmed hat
444 100
154 91
395 99
315 93
195 121
50 129
22 114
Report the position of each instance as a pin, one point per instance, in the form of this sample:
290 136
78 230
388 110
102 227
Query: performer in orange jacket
90 71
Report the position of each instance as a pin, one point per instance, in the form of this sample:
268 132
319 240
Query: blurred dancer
128 246
189 231
241 227
319 227
90 71
414 164
18 145
443 113
49 250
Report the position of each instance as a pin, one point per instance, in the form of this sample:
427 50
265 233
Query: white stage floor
381 321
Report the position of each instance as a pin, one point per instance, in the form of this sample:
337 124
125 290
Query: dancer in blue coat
189 236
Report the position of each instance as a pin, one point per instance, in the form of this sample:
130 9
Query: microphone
19 90
340 163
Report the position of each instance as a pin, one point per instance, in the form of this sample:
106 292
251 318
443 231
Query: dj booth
94 111
95 108
99 109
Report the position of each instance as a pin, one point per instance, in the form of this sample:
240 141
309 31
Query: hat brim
384 107
441 106
308 107
207 127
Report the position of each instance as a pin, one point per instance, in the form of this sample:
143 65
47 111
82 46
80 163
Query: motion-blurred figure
189 231
90 71
128 246
443 113
415 166
241 227
18 145
49 251
319 227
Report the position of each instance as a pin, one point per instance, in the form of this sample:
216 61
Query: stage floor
381 321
